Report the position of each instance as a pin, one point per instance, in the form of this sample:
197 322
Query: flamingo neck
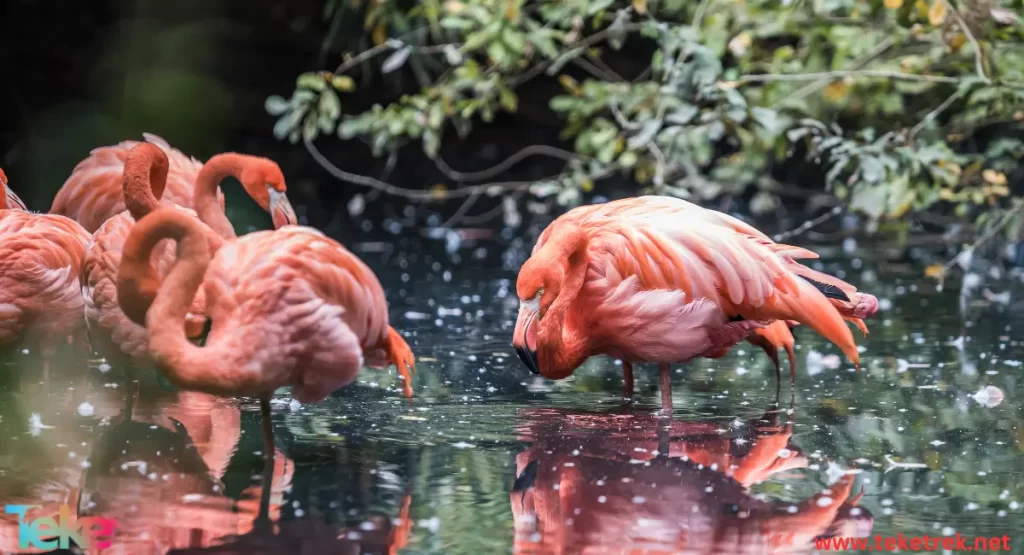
144 179
562 348
3 190
221 367
204 197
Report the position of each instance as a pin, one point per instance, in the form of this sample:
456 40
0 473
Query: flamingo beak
281 210
521 341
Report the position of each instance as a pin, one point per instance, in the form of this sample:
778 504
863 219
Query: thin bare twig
461 212
698 17
856 65
809 224
391 44
580 46
413 194
979 63
594 70
483 175
621 119
932 115
876 74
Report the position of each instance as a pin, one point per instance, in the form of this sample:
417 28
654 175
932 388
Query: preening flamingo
93 193
290 307
145 174
40 259
659 279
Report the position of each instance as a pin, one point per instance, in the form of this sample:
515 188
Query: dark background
78 75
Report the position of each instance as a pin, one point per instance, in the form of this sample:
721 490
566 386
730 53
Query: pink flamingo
146 168
40 258
290 307
658 279
93 192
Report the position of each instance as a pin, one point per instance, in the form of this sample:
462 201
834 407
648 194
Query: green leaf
475 40
276 105
644 135
352 127
311 80
514 40
287 123
563 103
431 143
330 105
454 23
396 60
508 100
682 115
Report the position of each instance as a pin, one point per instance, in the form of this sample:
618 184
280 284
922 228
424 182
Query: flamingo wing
312 307
648 253
93 192
40 258
99 287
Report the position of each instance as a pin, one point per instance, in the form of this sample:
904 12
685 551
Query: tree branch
809 224
979 64
482 175
932 115
856 65
413 194
875 74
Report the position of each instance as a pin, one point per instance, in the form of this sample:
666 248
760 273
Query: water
744 467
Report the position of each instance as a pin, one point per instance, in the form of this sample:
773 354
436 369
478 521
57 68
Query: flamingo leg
664 371
627 381
263 518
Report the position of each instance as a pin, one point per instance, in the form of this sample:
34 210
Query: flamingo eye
534 302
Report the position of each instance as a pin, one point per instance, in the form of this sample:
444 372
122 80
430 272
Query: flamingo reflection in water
623 483
158 467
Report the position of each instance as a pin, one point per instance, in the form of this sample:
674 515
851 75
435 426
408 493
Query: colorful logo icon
47 533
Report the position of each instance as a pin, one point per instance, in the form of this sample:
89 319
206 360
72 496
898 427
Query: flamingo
146 170
40 259
290 307
662 280
93 193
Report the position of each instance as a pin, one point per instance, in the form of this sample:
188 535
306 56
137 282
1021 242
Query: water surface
488 458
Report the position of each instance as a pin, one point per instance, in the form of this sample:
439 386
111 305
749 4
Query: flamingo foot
627 381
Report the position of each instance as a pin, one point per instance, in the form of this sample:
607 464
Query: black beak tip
529 359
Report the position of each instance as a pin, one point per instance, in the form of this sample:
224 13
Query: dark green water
743 468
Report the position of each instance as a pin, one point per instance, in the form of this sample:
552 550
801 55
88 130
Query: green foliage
732 90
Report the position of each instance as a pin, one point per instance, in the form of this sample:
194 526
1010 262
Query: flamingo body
658 279
93 194
99 288
146 171
40 259
312 310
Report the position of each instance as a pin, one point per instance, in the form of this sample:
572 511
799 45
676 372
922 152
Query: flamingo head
538 285
263 180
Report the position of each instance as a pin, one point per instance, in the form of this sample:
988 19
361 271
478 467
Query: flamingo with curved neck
262 180
658 279
9 200
93 193
289 307
144 180
40 297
